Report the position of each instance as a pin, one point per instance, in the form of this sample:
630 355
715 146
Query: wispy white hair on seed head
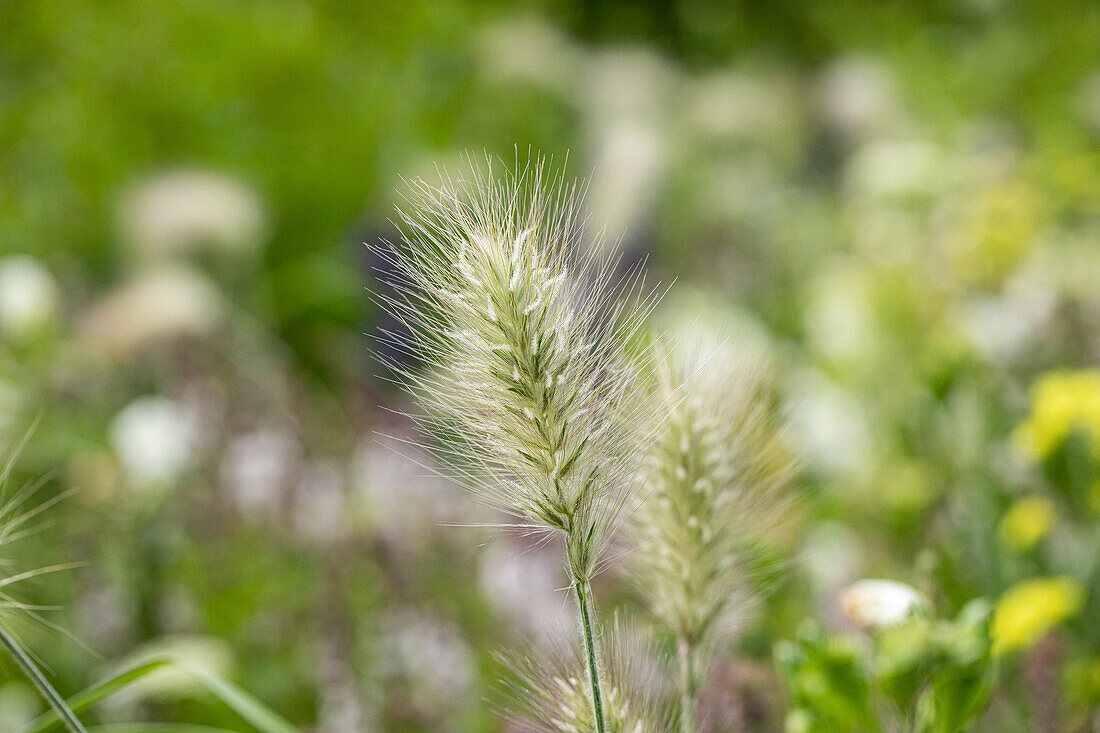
21 516
527 385
543 695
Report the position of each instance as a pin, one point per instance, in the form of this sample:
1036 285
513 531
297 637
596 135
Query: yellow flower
1026 522
1030 609
1061 402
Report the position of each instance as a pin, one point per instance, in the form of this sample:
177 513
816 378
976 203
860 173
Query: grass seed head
545 695
713 490
525 386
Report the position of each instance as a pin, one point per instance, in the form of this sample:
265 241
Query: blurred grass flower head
521 583
256 469
1062 402
154 438
859 97
166 302
829 425
397 501
545 695
430 655
1003 327
711 498
532 52
184 210
1027 611
840 318
896 170
712 489
28 296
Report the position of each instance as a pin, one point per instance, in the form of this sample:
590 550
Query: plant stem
584 591
44 687
687 686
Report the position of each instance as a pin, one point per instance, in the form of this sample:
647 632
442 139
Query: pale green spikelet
713 491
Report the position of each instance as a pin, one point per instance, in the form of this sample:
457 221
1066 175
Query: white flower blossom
28 296
164 303
875 604
153 438
182 210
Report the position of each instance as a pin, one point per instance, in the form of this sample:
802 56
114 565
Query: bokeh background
896 204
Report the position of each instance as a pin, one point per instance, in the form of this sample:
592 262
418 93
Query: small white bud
878 603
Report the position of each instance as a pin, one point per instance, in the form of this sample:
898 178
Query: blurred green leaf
243 703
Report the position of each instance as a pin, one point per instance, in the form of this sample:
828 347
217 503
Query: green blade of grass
61 712
241 702
156 728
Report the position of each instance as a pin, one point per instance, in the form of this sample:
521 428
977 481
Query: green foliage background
763 208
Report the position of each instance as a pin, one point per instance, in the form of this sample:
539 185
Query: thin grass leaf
156 728
60 710
241 702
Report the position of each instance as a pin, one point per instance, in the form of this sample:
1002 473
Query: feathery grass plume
713 482
17 517
545 696
529 389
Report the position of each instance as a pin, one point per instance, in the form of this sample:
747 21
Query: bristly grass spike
526 387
